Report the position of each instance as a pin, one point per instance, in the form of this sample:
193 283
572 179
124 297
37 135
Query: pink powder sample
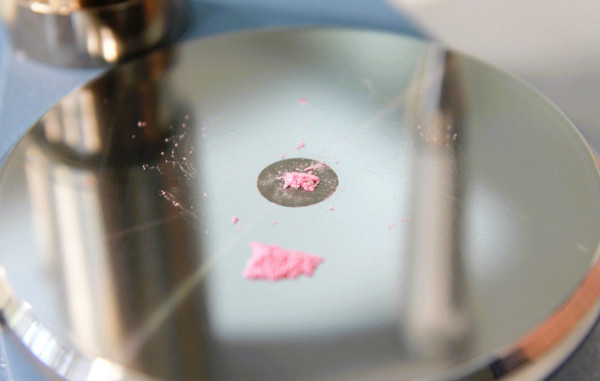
300 146
282 156
390 227
303 101
234 220
331 208
272 263
297 180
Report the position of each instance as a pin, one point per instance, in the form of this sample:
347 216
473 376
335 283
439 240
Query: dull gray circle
270 182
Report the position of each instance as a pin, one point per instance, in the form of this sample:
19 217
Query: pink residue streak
297 180
271 262
314 167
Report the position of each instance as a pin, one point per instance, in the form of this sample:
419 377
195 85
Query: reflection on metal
438 321
91 33
86 222
468 213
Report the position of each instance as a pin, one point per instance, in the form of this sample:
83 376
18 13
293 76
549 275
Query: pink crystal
297 180
271 262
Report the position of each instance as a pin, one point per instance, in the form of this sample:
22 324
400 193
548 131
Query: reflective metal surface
88 33
462 243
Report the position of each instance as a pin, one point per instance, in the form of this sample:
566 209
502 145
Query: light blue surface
28 88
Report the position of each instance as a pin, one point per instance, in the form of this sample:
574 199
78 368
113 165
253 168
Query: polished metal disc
459 219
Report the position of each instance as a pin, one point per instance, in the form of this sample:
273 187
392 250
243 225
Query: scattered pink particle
314 167
297 180
234 220
204 134
272 263
187 116
331 208
390 227
300 146
140 124
454 136
337 162
274 223
205 194
303 101
405 219
162 153
282 156
166 140
184 125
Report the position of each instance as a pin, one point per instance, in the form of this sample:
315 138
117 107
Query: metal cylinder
90 33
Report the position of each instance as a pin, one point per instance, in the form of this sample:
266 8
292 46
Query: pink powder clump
297 180
234 220
271 262
303 101
300 146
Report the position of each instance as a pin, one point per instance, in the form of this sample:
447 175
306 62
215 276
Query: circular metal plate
272 186
460 243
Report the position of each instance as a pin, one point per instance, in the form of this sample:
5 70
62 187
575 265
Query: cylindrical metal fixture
88 33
